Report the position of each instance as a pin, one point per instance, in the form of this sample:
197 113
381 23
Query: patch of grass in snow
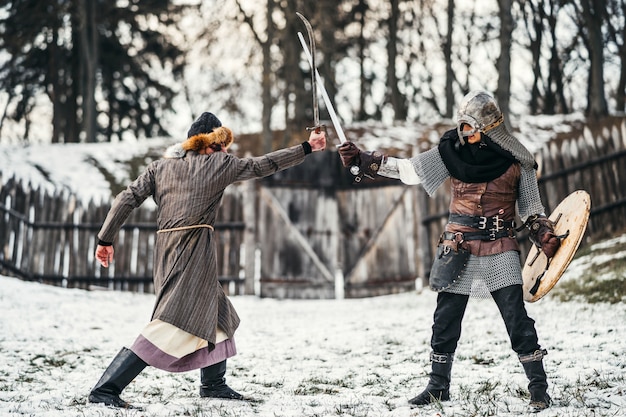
489 398
269 384
319 385
584 393
44 361
353 409
601 276
4 381
25 378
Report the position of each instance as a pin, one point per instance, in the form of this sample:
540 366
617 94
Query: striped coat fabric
188 191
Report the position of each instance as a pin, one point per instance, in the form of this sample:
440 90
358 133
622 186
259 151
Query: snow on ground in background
358 357
69 166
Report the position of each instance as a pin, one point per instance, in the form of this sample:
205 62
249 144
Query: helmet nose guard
479 110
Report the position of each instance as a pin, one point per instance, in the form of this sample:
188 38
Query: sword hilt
316 129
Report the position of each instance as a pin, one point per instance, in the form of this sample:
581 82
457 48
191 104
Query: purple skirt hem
201 358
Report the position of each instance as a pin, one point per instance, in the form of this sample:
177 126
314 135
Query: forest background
84 71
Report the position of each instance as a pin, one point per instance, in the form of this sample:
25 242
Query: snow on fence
595 162
307 232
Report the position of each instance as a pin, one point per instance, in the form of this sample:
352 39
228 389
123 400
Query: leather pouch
448 265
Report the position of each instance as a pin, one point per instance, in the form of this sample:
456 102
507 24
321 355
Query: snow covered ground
361 357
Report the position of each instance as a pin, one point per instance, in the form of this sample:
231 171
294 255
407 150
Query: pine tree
107 68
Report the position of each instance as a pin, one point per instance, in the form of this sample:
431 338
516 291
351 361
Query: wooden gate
321 236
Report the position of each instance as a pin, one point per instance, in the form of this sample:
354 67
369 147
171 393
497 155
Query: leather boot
214 383
438 388
538 382
122 370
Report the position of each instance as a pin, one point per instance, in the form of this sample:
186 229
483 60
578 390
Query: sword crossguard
317 129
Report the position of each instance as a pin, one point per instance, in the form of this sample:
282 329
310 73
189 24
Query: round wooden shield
570 217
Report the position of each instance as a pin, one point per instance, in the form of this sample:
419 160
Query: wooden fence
307 232
51 238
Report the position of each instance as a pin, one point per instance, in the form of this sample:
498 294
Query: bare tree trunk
363 82
447 55
398 101
621 86
266 83
556 85
54 90
89 57
327 20
71 93
618 37
534 22
297 99
504 60
593 13
266 80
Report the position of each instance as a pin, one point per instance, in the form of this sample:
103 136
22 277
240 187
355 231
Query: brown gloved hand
361 164
542 234
349 154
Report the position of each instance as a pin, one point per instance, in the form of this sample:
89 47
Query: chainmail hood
481 111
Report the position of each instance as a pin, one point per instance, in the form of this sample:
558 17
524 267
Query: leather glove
542 235
368 163
349 154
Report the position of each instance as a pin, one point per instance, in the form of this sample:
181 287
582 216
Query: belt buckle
498 223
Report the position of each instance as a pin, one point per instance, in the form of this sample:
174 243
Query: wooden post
249 199
423 235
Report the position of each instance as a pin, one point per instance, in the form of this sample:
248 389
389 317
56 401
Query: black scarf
480 162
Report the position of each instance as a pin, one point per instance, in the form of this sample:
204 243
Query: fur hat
206 132
206 123
220 138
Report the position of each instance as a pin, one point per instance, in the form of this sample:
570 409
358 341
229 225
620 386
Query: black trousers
510 301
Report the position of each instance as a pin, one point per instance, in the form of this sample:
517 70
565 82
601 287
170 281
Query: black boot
438 388
214 383
538 385
122 370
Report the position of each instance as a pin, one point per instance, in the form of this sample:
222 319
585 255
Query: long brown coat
188 191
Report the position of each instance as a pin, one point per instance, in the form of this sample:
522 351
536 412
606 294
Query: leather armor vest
488 199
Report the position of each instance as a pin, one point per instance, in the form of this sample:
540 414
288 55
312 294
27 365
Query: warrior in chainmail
491 173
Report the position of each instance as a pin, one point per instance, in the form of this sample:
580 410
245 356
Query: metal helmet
479 110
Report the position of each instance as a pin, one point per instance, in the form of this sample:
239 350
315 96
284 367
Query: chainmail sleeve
529 201
430 168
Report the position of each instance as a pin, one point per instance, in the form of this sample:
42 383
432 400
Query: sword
316 81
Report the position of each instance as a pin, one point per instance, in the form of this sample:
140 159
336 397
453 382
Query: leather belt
486 235
495 223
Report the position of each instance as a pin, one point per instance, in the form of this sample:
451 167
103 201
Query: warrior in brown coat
193 322
491 173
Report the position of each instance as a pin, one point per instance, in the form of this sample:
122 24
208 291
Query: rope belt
491 223
195 226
